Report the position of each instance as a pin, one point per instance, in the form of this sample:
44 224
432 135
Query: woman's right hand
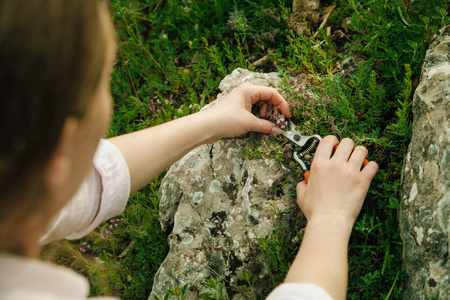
337 186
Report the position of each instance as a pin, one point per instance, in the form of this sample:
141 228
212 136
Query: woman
58 178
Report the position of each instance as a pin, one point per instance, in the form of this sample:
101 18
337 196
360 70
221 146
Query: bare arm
150 151
331 202
322 258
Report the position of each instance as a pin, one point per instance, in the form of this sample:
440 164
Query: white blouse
102 196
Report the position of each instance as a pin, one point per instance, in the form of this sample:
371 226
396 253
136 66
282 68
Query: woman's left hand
150 151
232 116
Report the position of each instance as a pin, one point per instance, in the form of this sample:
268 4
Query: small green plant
402 127
217 287
177 293
396 33
249 280
278 248
171 57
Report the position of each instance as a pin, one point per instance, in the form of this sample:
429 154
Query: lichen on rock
215 205
425 215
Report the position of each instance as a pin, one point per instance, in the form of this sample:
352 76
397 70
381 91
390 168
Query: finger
263 126
263 110
301 191
370 170
325 147
344 150
358 156
268 94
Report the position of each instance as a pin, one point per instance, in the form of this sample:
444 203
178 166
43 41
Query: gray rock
351 63
425 215
239 76
216 205
305 14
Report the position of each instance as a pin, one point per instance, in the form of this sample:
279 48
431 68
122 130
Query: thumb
264 126
301 191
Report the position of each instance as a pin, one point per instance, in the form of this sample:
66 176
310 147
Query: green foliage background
172 55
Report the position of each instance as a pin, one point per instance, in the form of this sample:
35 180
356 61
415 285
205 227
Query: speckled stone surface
425 215
214 204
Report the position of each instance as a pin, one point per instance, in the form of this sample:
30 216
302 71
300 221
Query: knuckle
334 139
329 139
335 166
373 165
273 90
362 149
348 141
242 87
317 166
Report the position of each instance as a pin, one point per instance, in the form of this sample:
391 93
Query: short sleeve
103 195
299 291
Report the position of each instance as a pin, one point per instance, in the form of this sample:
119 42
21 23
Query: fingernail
275 131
